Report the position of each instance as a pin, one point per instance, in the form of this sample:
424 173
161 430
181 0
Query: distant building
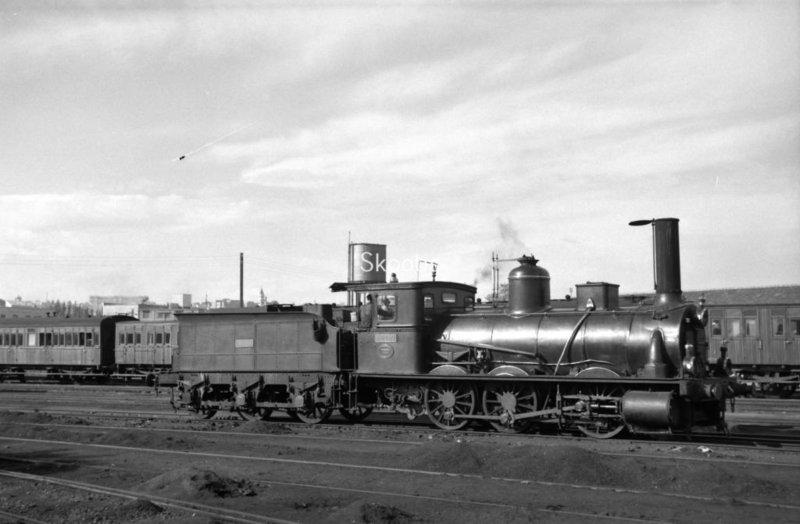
116 305
153 312
17 309
131 310
226 303
183 300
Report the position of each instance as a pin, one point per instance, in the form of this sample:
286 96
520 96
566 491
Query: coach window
61 338
31 337
750 327
734 328
716 328
150 338
159 338
777 326
138 338
794 326
387 308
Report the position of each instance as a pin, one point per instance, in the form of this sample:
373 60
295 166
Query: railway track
755 422
384 463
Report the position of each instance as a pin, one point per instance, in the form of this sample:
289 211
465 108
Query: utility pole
241 279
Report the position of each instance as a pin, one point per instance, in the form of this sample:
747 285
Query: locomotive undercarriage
599 408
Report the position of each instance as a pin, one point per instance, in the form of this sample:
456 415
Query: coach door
784 341
734 337
793 330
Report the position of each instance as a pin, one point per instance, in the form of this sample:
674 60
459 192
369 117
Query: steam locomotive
425 349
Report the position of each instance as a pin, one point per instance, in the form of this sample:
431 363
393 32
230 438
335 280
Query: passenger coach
57 348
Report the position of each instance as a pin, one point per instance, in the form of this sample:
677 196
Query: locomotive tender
423 348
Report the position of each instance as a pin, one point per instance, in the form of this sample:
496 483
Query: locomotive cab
396 324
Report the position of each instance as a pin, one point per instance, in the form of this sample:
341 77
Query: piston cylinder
651 409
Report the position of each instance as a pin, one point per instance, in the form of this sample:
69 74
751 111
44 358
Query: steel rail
211 511
16 518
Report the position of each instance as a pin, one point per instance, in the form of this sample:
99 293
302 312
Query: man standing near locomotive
365 321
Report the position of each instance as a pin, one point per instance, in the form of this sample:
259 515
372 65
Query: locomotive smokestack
666 259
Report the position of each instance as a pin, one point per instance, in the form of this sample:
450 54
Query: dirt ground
363 475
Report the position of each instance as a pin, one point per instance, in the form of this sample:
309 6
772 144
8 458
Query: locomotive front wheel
446 401
604 400
314 415
356 414
507 400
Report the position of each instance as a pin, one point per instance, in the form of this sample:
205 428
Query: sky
445 130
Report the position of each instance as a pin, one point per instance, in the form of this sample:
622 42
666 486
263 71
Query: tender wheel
356 414
787 390
264 413
315 415
446 401
506 401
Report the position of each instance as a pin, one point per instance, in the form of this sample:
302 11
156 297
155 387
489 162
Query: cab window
448 298
427 301
387 308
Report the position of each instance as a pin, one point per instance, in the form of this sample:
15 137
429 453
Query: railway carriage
144 349
760 331
57 348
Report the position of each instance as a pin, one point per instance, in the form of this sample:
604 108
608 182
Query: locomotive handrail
572 336
523 362
499 349
540 360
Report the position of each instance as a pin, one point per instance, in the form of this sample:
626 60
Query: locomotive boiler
659 341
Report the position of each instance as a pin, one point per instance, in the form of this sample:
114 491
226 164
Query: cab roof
380 286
